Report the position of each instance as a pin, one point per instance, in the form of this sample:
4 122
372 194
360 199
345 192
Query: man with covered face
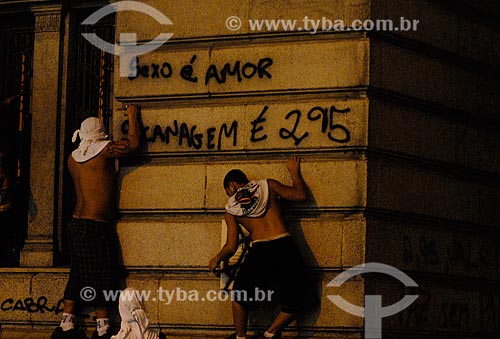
274 262
93 244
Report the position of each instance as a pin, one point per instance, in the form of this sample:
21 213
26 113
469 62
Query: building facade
398 132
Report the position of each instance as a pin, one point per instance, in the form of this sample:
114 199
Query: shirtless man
93 243
274 259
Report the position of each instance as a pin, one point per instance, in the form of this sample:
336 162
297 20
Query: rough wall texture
432 198
398 132
251 100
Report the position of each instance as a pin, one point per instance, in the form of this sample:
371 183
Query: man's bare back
94 257
95 179
269 225
95 187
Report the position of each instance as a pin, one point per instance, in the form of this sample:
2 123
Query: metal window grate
94 71
89 93
17 35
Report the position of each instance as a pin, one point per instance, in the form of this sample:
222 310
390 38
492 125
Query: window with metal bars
16 53
92 71
89 92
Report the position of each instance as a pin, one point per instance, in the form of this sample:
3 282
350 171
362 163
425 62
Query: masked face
229 190
232 188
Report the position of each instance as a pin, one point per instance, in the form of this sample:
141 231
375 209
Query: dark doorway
90 82
16 52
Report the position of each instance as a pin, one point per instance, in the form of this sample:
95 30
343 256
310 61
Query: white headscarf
135 323
93 139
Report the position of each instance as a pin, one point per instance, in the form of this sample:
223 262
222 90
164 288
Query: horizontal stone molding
47 18
411 189
324 243
426 248
41 293
464 30
211 20
441 308
199 186
248 69
272 127
461 143
478 91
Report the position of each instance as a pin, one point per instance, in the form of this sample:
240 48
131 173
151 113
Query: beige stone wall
463 30
432 201
397 128
398 132
192 21
428 134
303 99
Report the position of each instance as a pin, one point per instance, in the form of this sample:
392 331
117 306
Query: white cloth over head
250 200
93 139
135 323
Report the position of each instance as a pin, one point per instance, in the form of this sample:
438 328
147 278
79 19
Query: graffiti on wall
465 311
454 307
335 132
451 254
239 70
31 305
226 135
295 126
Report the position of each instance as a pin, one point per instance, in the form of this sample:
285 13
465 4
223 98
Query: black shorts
277 268
95 254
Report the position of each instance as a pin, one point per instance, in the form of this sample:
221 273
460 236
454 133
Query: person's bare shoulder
274 185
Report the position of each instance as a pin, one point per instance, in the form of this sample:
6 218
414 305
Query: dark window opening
90 80
16 53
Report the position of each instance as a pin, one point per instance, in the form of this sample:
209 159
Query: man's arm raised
124 148
134 134
296 192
